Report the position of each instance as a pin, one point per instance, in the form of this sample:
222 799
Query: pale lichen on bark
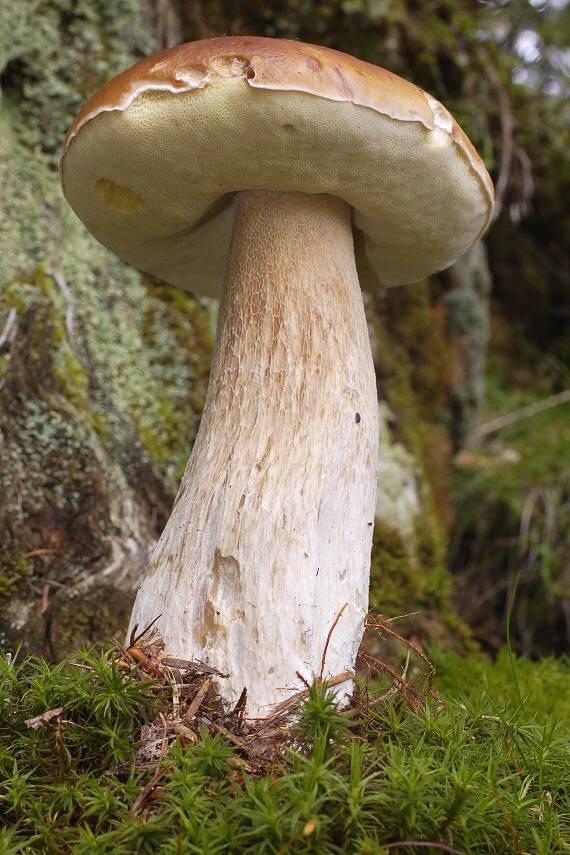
101 376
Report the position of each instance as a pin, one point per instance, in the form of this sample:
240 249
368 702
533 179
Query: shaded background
103 371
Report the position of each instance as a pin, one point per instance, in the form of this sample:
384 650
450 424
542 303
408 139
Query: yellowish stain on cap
120 198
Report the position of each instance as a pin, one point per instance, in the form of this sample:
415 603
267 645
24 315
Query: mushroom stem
271 530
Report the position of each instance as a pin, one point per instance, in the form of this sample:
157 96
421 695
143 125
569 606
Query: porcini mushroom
249 168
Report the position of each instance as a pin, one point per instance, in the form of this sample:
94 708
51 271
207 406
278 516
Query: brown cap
154 160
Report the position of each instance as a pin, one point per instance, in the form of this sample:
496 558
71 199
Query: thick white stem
271 530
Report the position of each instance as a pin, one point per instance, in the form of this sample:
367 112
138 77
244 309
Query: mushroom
251 168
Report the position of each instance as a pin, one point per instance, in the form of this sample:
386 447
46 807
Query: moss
14 568
475 772
415 584
176 329
409 570
413 376
80 621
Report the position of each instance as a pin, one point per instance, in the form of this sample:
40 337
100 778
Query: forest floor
116 751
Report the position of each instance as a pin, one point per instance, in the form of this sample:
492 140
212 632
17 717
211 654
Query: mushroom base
270 535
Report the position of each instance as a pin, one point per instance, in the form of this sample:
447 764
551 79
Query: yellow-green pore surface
154 161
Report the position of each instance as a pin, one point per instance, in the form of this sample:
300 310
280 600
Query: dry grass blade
331 630
134 638
147 791
287 707
413 694
524 413
377 622
381 699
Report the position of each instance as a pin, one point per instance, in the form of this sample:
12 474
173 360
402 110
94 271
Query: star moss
479 773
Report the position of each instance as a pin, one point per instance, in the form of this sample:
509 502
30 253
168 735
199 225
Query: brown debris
45 719
415 690
198 698
147 791
195 704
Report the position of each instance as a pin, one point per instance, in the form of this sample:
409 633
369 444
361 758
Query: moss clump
81 621
14 568
481 772
177 330
404 582
409 344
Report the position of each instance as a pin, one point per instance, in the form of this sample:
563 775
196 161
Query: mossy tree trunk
102 375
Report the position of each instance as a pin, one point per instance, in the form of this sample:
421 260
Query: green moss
98 616
176 329
413 375
14 568
409 573
415 583
478 772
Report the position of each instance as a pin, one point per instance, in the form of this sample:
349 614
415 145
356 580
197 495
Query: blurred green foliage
512 502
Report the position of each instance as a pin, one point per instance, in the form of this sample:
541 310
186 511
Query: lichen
467 307
400 488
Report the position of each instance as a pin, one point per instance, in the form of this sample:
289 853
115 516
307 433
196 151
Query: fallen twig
387 669
148 790
143 660
379 623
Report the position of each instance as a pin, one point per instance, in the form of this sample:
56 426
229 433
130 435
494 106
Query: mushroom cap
154 160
